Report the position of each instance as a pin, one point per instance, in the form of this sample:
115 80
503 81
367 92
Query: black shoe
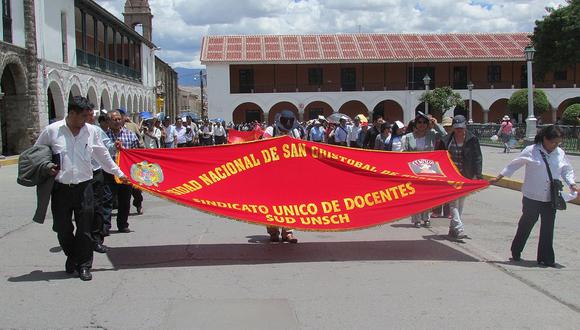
547 264
140 210
100 248
124 230
516 256
85 274
69 266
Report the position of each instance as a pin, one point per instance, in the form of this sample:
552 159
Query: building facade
54 50
255 77
189 100
166 89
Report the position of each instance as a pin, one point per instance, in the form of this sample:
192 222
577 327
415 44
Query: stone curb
517 185
12 160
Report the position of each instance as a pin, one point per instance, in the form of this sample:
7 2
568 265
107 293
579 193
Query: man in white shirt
180 133
168 134
341 132
219 133
353 133
73 145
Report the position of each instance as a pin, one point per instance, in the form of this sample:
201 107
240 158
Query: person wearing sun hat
505 132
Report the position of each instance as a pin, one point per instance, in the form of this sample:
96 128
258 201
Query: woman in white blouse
536 190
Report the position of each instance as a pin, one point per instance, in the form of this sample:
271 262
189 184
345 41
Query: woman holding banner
423 138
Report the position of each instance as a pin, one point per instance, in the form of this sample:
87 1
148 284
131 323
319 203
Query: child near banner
465 152
424 137
285 124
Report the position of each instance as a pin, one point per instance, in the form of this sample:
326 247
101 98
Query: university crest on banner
299 184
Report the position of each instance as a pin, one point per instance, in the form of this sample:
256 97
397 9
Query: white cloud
179 25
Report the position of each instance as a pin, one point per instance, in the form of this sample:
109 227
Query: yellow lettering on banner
379 197
294 150
335 219
280 220
302 209
250 208
228 169
330 207
319 153
185 188
270 155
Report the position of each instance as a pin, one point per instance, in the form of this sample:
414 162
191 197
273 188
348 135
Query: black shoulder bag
558 202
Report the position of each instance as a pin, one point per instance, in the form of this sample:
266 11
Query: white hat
506 117
399 124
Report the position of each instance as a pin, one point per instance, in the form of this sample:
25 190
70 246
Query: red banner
299 184
235 136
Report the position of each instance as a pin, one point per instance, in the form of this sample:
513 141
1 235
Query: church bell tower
138 12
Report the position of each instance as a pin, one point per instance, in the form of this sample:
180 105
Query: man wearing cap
74 144
423 138
341 132
465 152
316 133
505 132
285 124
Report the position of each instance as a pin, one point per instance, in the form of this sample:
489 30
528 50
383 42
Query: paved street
180 268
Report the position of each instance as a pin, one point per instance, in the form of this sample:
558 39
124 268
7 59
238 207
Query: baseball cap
459 122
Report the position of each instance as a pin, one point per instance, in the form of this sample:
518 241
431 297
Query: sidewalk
10 160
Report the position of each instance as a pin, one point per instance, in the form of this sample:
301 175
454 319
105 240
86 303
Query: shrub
518 102
570 116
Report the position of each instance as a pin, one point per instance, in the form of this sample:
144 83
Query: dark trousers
77 200
123 193
531 210
137 197
103 207
220 139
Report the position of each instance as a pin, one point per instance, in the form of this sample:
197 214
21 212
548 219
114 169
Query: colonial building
255 77
189 100
166 89
18 77
53 50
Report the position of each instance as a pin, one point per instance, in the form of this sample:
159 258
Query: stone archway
14 116
278 107
353 108
390 110
92 96
123 104
247 112
497 110
317 108
115 101
477 111
106 101
56 104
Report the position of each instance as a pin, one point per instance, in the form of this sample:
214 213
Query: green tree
440 99
570 116
556 39
518 102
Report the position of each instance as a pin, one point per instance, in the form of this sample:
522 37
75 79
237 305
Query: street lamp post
470 88
426 81
531 128
203 114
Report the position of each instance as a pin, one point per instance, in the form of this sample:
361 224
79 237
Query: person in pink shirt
505 132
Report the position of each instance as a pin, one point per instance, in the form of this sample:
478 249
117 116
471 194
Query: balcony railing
390 86
104 65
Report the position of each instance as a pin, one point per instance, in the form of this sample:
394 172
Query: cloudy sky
179 25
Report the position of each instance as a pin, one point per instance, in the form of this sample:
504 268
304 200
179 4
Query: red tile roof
364 47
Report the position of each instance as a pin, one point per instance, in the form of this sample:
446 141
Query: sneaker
427 224
417 224
456 234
